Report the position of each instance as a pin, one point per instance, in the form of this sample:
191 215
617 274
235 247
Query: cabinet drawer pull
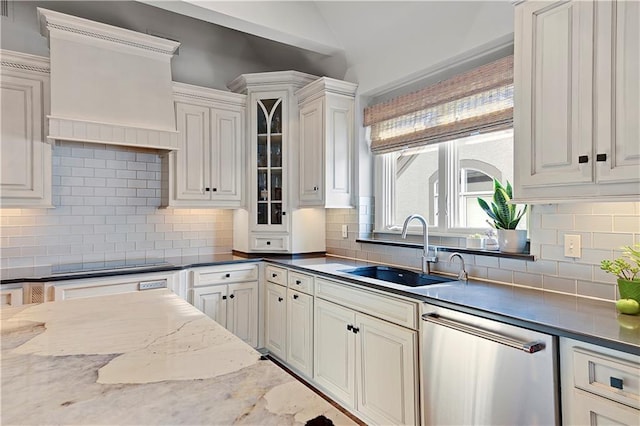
355 330
298 282
274 275
615 382
601 157
349 327
583 159
279 299
295 296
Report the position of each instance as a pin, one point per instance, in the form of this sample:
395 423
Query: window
438 149
442 182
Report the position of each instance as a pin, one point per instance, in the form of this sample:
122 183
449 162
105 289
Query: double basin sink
397 276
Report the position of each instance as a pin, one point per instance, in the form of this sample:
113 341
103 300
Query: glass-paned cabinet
269 161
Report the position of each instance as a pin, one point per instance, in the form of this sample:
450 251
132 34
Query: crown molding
326 85
56 21
265 80
22 61
208 96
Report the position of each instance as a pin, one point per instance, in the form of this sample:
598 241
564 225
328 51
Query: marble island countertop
140 358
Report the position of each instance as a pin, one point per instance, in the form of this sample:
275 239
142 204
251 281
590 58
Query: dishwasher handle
528 347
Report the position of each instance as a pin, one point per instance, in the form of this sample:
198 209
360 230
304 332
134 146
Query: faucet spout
462 275
426 268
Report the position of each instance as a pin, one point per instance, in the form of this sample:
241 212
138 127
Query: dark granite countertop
580 318
50 273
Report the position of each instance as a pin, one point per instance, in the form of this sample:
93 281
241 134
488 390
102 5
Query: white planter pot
512 240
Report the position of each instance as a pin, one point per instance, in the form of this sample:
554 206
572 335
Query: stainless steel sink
397 275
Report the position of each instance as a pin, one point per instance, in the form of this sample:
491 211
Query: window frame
448 183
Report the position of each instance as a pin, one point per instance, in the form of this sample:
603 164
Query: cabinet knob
284 213
207 189
315 188
601 157
355 330
583 159
298 282
269 243
215 189
227 275
349 327
295 296
279 299
232 296
274 275
224 297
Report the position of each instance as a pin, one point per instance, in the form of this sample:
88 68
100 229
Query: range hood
109 85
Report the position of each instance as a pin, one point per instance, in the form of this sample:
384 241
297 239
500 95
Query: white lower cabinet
600 386
370 365
300 331
90 287
228 294
289 318
276 320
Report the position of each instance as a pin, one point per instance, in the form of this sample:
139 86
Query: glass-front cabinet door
269 134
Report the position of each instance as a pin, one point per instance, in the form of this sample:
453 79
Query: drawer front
276 275
270 243
607 376
595 411
224 274
301 282
397 311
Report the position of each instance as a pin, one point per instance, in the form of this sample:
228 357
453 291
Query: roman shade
477 101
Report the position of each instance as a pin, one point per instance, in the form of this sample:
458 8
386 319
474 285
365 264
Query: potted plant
506 217
627 270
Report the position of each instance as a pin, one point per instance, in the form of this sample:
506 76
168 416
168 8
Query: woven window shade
478 101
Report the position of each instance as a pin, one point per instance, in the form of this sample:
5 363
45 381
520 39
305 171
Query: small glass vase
629 289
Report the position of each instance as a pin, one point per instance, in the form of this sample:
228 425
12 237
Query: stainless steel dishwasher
481 372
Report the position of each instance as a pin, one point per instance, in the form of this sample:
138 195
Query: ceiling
412 36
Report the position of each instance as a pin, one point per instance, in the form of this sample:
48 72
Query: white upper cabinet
25 156
577 101
207 169
326 152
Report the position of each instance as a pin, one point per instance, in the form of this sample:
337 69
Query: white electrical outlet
345 231
572 246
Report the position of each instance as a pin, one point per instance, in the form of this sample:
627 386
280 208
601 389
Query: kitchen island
141 358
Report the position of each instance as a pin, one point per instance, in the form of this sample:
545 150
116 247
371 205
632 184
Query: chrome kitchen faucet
426 268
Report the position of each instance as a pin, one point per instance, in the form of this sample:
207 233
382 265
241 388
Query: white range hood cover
109 85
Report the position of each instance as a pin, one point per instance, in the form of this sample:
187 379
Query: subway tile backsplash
107 202
603 228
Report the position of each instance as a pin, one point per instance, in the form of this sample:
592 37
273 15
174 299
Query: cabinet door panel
193 163
212 301
275 327
386 380
242 311
226 155
334 354
554 98
300 331
24 171
311 154
338 151
618 107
